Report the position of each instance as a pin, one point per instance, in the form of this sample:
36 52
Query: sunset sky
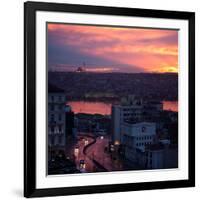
111 49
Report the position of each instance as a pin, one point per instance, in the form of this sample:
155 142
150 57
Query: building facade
136 137
56 118
140 129
162 156
71 131
135 110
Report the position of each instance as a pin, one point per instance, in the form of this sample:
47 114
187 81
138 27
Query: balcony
55 132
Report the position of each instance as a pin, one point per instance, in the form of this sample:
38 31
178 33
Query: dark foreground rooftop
54 89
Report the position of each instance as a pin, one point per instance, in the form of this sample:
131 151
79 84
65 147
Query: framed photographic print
109 99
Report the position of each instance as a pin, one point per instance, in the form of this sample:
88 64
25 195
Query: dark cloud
66 57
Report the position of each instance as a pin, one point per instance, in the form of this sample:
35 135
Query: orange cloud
152 50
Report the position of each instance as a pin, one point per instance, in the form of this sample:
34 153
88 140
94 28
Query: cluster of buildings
137 129
135 125
60 120
93 124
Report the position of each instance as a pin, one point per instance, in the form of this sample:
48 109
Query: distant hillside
105 86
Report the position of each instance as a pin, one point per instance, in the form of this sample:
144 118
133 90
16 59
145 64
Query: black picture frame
30 9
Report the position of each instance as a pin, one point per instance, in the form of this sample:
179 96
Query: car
82 161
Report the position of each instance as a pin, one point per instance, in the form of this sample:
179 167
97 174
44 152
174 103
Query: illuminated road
97 152
89 165
92 151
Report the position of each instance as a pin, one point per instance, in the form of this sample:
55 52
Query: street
89 165
94 156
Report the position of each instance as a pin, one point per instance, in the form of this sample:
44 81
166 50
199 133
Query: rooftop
54 89
159 146
155 147
134 123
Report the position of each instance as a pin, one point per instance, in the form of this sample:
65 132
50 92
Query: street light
117 142
112 147
76 151
86 142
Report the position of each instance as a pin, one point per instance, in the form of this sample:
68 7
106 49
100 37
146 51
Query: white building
56 117
132 108
136 137
128 109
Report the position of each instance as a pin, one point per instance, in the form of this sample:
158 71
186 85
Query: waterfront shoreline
104 108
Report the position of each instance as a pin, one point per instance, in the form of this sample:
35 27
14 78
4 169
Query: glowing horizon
112 49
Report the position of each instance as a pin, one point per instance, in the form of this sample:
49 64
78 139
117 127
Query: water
170 105
90 107
105 108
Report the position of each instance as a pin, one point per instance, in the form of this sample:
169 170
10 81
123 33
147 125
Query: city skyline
112 49
121 114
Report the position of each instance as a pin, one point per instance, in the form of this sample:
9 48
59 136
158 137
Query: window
52 107
52 129
60 140
52 141
52 98
52 117
59 117
60 107
60 128
151 162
